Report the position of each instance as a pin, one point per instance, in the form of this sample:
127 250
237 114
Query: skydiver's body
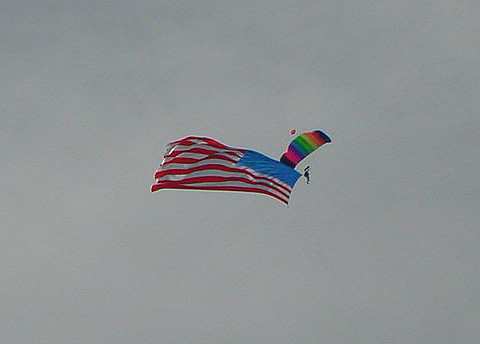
306 174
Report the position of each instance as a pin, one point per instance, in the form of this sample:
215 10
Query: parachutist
306 174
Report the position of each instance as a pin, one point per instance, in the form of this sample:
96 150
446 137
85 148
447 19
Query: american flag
202 163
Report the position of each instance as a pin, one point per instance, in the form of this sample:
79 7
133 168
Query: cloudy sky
381 247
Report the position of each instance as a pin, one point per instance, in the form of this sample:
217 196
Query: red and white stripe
198 163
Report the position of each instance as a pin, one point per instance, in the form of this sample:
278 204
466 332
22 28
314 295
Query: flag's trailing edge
201 163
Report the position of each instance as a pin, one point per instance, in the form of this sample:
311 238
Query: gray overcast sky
381 247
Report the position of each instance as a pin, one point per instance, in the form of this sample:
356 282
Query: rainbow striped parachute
303 145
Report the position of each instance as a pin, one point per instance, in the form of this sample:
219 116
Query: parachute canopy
303 145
